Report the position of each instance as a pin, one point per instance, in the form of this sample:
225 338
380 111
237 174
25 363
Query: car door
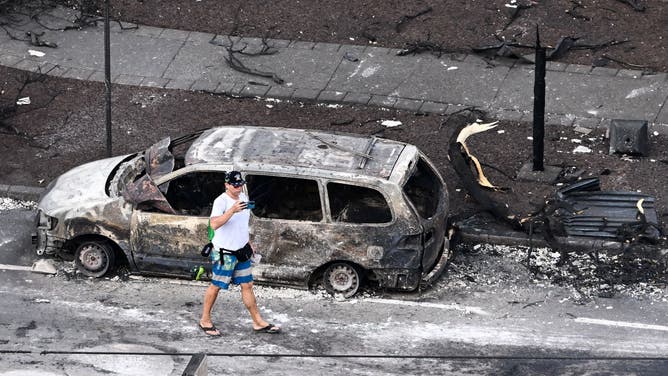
287 227
169 243
375 233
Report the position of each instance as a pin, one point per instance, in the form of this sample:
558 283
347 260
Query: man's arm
220 220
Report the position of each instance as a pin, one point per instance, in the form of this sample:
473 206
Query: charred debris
14 14
579 217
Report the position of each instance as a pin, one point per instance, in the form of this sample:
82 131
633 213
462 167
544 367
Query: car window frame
207 167
387 197
325 209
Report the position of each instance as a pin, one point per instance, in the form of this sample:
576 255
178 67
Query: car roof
300 148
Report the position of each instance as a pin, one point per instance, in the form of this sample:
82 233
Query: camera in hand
250 204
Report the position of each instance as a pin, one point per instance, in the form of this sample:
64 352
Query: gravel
11 204
586 278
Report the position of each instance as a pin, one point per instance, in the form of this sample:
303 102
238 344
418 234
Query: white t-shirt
234 234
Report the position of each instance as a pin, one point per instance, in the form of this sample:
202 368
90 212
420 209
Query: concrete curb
21 192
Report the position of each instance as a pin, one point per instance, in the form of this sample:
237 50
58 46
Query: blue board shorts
228 270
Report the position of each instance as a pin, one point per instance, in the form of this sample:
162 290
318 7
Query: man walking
231 255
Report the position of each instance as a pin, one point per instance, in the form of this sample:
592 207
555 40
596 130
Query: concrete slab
78 73
22 192
205 85
179 35
662 117
382 101
585 95
372 74
357 98
299 68
131 53
254 90
201 62
450 81
179 84
306 94
434 107
331 96
125 79
9 60
549 175
408 104
280 92
30 65
154 82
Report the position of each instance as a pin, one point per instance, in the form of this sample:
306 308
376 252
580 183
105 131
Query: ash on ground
587 276
7 203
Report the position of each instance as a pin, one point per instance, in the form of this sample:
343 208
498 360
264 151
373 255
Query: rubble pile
11 204
587 276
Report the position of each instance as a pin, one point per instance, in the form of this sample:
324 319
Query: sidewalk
577 95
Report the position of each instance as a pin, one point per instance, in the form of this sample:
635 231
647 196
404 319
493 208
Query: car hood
81 186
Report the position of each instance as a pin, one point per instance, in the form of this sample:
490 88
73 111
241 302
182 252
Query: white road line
624 324
15 267
450 307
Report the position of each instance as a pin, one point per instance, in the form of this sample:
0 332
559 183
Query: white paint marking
624 324
15 267
451 307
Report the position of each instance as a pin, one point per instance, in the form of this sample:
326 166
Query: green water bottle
197 272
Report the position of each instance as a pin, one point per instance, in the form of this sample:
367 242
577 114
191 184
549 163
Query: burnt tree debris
14 13
235 47
574 218
11 108
564 44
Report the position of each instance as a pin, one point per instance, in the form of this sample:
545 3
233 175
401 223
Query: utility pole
107 75
539 107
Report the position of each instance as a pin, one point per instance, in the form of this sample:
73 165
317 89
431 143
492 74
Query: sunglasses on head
237 185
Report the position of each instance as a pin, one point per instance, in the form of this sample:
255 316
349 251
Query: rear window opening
424 189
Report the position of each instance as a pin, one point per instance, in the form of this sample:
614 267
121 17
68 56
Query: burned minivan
340 209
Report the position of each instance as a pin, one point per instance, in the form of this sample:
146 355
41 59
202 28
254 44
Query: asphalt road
69 325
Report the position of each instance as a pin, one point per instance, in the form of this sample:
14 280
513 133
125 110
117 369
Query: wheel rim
94 259
342 279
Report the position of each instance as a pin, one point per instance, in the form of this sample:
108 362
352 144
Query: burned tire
342 279
94 258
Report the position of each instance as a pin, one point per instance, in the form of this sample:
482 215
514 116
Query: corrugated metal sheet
587 211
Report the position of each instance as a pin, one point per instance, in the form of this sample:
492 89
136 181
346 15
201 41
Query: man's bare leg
248 297
209 300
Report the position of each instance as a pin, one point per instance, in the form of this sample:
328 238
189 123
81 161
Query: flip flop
270 329
208 329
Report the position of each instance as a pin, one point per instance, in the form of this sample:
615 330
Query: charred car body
346 208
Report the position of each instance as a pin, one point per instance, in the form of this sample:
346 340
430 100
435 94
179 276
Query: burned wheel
94 258
342 279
